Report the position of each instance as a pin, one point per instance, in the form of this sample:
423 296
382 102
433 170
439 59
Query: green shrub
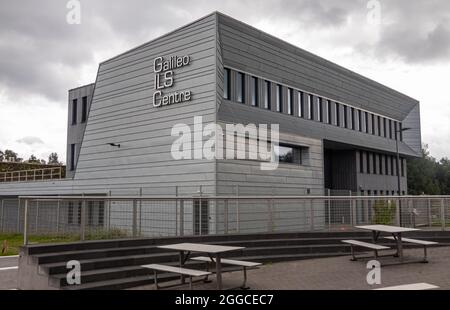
384 212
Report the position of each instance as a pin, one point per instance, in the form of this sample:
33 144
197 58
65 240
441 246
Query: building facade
338 130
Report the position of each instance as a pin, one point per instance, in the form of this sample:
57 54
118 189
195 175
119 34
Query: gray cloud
30 140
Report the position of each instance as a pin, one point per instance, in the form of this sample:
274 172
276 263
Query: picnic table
213 251
395 231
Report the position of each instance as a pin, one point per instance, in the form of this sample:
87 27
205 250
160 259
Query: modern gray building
338 130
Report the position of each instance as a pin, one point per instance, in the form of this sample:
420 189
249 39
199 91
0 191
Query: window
267 95
384 127
402 162
373 124
361 162
83 109
390 129
301 105
380 164
352 111
395 130
329 119
319 109
366 118
227 84
290 102
72 157
310 107
359 120
254 91
74 111
240 83
368 162
345 117
379 125
289 154
337 114
392 165
279 98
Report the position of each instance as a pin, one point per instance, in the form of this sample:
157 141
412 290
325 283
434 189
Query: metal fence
42 174
105 217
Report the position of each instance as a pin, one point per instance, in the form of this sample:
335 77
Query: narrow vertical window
368 162
279 98
366 116
254 91
240 83
290 102
379 125
402 162
310 107
374 162
267 95
395 130
338 114
83 109
301 105
400 129
373 124
319 109
360 120
329 118
384 127
392 165
390 129
386 164
74 111
72 157
227 84
352 112
345 117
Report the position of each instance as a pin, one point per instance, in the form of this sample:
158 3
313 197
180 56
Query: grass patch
13 241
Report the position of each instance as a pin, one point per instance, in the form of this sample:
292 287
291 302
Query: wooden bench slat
416 241
366 245
228 261
179 270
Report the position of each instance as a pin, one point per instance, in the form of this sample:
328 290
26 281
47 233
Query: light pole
398 134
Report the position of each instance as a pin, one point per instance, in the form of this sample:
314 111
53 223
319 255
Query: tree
33 160
2 156
10 155
53 159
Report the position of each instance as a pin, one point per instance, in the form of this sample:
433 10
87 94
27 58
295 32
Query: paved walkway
8 273
339 273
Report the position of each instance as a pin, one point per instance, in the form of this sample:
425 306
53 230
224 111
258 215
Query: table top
198 247
387 228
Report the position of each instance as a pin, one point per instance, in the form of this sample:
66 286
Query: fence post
397 212
442 214
83 220
18 215
429 212
238 220
225 220
354 214
311 209
25 223
109 211
140 211
176 210
2 214
57 216
134 218
37 217
181 217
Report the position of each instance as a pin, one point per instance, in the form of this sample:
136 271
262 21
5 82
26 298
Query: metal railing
105 217
42 174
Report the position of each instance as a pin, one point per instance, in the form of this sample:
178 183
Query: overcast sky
42 56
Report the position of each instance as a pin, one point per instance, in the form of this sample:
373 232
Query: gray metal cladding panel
248 49
239 113
122 112
413 137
